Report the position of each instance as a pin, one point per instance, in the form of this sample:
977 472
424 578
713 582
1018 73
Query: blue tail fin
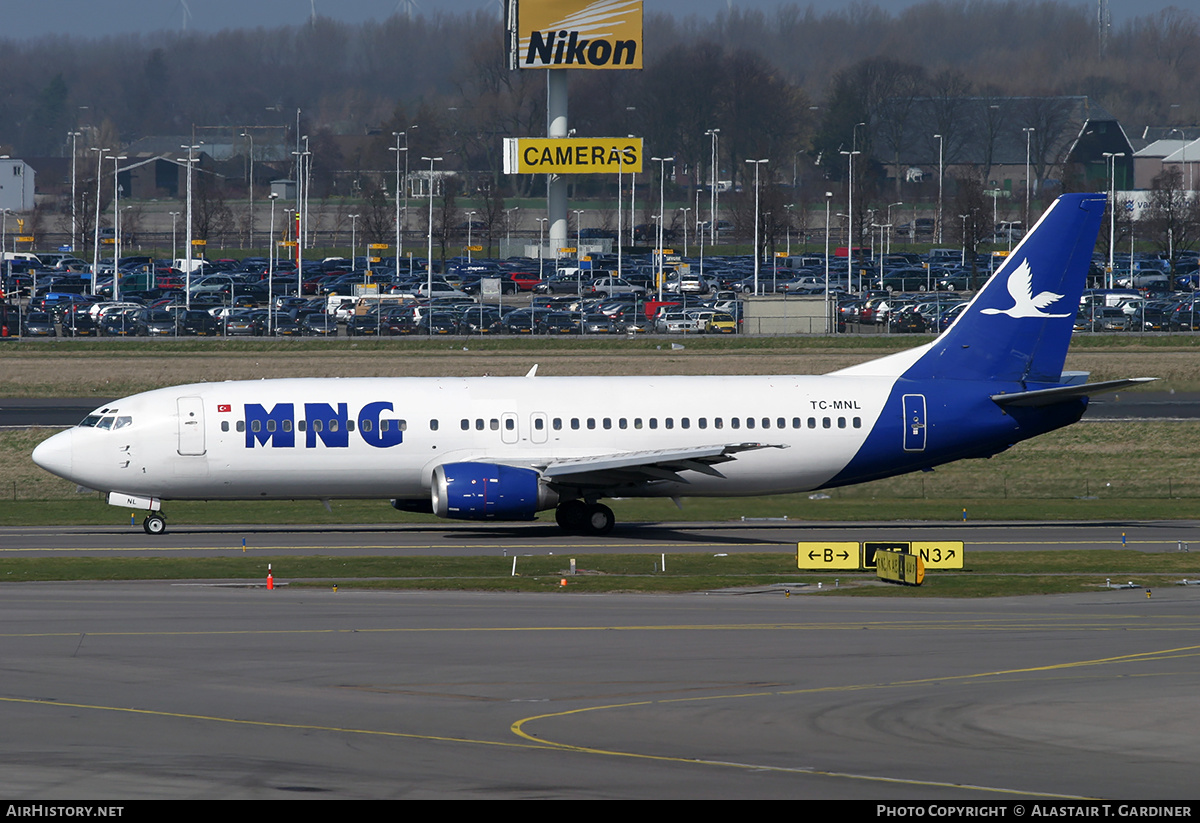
1018 328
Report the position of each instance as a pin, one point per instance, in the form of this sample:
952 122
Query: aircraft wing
626 468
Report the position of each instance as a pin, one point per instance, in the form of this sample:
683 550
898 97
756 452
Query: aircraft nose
55 453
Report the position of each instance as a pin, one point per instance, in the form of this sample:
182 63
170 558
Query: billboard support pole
556 184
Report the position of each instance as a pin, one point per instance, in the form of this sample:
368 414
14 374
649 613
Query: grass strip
988 574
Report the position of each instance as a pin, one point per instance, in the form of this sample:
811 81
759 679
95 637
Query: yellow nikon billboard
572 155
574 34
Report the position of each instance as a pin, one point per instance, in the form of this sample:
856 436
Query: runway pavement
151 690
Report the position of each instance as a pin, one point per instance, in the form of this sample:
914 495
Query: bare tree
1172 215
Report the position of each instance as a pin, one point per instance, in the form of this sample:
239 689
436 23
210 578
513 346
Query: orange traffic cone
270 579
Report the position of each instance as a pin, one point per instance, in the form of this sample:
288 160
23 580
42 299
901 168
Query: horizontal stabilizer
1060 394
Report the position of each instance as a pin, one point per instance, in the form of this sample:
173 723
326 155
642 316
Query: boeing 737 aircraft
506 448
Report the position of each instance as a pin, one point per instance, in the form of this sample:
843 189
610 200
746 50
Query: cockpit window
122 422
105 423
90 421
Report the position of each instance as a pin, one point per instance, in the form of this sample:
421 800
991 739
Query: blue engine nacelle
488 491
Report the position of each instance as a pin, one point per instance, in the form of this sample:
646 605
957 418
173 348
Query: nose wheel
154 523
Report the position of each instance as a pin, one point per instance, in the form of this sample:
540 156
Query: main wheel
600 519
571 516
154 524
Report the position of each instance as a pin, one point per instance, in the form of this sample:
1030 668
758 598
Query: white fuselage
211 441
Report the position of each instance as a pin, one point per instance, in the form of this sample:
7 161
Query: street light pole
850 222
757 262
828 200
96 225
187 252
1028 134
662 188
398 149
271 266
941 177
470 219
712 187
250 137
74 221
1111 159
116 230
429 250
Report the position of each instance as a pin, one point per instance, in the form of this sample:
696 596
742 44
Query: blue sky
109 17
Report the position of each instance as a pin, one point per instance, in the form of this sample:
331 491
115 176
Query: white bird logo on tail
1025 304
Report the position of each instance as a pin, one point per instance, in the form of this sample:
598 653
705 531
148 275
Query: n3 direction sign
565 155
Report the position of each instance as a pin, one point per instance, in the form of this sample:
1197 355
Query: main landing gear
155 523
580 517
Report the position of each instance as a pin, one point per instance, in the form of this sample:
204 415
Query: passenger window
608 422
433 426
637 422
317 425
812 422
575 422
287 426
718 423
841 422
795 422
591 422
539 423
241 426
735 422
464 424
749 422
654 422
224 425
703 422
669 423
781 423
509 424
623 423
478 424
685 423
494 424
365 425
558 424
858 422
270 425
825 422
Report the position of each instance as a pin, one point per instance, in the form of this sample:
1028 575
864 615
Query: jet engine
489 491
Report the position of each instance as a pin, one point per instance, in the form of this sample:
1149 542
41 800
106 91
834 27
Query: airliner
506 448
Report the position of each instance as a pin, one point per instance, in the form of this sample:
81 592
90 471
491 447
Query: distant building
16 185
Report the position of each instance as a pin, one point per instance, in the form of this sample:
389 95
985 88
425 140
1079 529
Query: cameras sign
566 155
574 34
